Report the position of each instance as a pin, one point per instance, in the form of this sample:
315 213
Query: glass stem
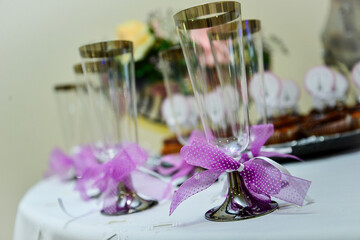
237 188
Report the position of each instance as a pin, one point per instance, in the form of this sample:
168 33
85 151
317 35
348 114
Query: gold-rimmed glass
109 72
254 65
218 77
70 113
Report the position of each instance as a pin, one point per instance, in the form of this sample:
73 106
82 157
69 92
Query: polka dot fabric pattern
201 154
262 179
293 189
193 185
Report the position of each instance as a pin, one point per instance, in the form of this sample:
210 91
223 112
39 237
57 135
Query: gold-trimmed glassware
221 98
70 113
254 65
109 72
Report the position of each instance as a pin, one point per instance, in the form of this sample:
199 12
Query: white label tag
318 104
231 98
270 87
273 87
341 86
290 94
214 108
193 119
355 75
320 82
268 91
256 88
176 111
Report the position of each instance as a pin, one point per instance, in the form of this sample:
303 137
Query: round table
333 215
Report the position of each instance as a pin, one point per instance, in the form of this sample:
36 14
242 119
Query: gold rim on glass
106 49
65 87
224 31
98 67
171 54
208 15
78 68
251 26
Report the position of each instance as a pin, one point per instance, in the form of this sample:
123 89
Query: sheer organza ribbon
176 165
104 178
179 167
263 177
259 134
73 165
60 164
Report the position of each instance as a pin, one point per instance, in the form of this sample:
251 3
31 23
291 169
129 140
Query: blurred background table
334 215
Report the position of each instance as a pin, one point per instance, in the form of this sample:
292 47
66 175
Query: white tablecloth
334 215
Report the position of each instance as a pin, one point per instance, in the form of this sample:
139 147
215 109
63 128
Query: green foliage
147 70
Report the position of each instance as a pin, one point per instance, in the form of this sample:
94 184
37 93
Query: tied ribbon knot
263 177
60 164
178 166
106 177
258 137
93 178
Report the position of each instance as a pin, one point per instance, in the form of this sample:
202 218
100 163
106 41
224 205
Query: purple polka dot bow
263 177
106 177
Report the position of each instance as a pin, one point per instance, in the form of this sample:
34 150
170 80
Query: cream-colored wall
38 46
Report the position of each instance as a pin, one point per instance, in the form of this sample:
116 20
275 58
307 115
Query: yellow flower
137 32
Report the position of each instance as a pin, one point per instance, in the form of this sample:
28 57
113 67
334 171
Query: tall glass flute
84 104
70 113
179 109
222 101
109 71
254 65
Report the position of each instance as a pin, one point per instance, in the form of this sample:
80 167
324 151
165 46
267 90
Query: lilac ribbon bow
95 178
104 176
259 135
262 178
178 165
60 164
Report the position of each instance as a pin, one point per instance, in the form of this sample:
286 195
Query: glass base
129 202
224 213
239 203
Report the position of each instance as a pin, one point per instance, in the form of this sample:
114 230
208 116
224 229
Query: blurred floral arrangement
149 38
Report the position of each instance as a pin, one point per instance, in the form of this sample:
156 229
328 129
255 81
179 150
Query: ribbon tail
277 154
60 164
293 189
184 171
259 135
174 160
110 197
193 185
276 181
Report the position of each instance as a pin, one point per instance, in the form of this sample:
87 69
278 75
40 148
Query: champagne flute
68 99
217 73
84 104
254 65
109 71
